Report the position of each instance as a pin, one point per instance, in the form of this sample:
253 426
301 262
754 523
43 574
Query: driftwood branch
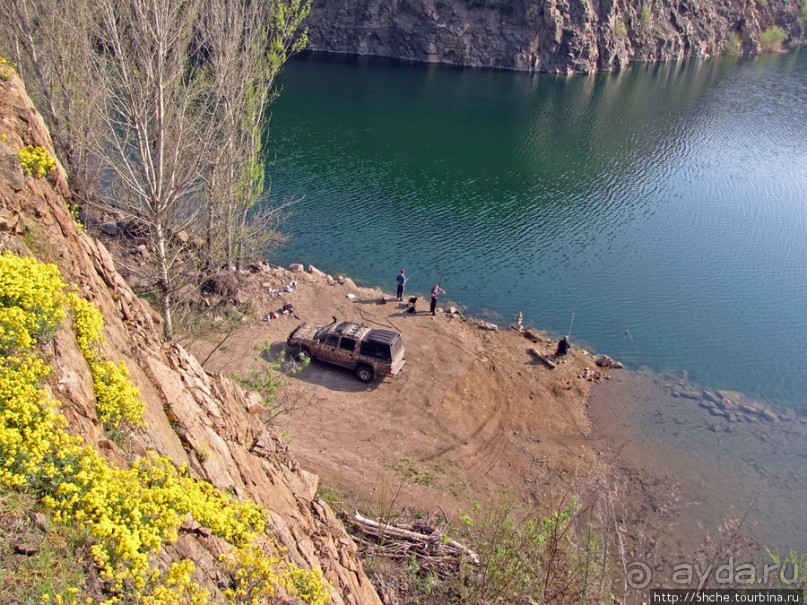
433 550
540 357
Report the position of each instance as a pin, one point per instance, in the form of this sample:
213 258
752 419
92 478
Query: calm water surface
664 207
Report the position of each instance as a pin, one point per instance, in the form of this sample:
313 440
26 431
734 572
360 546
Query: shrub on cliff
771 39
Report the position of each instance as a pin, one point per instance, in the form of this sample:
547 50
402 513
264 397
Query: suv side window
376 350
331 340
347 344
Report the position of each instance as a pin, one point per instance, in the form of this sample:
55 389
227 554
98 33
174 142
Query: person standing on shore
401 279
436 291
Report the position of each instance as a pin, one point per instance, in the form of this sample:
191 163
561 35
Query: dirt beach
472 413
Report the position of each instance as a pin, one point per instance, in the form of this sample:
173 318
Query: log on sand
540 357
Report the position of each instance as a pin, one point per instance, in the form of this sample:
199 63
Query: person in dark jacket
563 347
401 279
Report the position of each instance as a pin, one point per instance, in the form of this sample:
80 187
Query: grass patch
408 470
733 45
52 568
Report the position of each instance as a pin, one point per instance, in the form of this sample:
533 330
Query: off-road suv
369 353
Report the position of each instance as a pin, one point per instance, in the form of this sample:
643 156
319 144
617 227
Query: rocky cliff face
559 36
205 421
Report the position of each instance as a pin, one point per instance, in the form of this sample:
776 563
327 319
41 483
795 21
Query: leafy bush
733 45
772 38
36 161
541 556
645 16
620 29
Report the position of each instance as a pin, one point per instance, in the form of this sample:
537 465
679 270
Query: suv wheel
364 372
302 355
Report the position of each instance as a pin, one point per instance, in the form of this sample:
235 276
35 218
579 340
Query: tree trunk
164 282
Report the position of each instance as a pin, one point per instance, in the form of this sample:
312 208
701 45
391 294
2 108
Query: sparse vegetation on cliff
772 38
36 161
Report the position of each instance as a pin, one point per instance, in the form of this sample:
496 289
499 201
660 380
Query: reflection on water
664 206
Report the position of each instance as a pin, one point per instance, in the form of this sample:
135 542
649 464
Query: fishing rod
571 323
635 348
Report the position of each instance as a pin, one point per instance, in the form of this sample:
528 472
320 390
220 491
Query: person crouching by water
563 347
401 279
436 291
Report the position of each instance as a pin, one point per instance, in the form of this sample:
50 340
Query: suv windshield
322 332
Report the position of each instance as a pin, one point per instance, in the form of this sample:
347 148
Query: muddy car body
366 351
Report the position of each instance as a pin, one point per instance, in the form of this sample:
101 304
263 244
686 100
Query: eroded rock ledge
558 36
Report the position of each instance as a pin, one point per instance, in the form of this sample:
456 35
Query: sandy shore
474 415
471 415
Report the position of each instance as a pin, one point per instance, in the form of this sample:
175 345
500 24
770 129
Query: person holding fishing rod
401 279
563 344
436 291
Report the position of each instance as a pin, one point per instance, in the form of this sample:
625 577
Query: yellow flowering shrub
130 512
308 585
33 289
87 323
6 69
116 398
36 161
257 576
175 587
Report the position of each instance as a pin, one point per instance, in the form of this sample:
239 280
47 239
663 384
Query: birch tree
249 42
159 122
177 116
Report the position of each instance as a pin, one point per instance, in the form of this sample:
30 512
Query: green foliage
268 380
645 15
36 161
620 29
53 568
804 9
733 45
772 38
792 568
762 3
538 556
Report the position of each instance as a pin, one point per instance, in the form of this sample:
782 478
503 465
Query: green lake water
662 208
